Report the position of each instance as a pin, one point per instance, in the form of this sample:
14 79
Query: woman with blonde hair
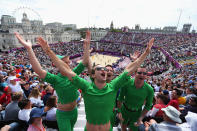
35 97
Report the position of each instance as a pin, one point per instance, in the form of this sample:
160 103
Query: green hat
60 57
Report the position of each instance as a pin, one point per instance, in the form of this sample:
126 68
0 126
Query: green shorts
130 118
66 119
111 129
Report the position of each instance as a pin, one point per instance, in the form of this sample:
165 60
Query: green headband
60 57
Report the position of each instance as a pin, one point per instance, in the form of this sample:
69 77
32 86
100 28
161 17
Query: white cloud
147 13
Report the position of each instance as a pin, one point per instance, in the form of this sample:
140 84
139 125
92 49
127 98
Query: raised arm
63 67
86 55
33 60
134 65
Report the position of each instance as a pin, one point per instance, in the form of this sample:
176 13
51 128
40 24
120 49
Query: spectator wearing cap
12 109
25 109
171 118
12 74
192 107
35 120
166 93
6 97
14 84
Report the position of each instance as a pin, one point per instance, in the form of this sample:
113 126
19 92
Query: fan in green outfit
133 99
99 96
67 94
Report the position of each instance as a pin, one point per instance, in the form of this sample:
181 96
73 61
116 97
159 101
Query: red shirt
18 71
5 99
160 112
43 94
174 103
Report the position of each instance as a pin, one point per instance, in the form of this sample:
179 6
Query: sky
100 13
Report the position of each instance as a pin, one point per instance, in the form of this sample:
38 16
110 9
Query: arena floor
103 59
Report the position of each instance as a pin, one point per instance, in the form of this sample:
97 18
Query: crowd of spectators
26 99
180 46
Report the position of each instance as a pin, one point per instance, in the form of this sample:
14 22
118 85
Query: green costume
66 93
99 103
133 100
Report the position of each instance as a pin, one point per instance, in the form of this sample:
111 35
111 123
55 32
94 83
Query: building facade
97 34
30 30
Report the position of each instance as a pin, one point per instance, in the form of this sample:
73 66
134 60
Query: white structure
74 35
7 20
186 28
30 30
170 28
97 34
55 27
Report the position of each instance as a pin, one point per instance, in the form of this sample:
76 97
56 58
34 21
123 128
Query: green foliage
68 28
116 30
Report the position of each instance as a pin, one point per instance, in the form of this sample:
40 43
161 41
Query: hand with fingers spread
149 45
26 44
43 44
135 55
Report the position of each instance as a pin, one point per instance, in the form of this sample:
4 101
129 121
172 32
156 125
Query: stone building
30 30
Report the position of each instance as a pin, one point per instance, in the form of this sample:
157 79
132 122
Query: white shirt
36 101
55 93
51 114
152 112
16 88
8 79
24 114
157 88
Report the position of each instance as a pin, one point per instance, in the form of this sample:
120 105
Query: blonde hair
48 88
35 93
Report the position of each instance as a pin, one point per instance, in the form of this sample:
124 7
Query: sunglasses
144 73
101 68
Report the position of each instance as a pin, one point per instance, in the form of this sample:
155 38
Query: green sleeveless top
64 88
134 98
99 103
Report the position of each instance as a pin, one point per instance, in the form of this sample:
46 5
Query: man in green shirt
114 119
67 94
132 98
99 96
